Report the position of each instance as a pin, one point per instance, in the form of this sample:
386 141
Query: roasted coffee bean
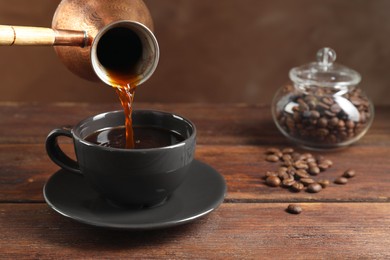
288 150
306 114
294 209
301 165
323 183
288 182
329 113
273 181
322 122
324 164
334 121
306 156
283 175
335 108
291 170
306 181
314 170
315 114
341 180
279 154
272 158
341 124
328 162
297 187
288 163
286 157
328 100
301 173
282 169
314 188
350 124
349 173
269 173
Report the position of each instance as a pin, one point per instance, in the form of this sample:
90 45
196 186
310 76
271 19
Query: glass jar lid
324 72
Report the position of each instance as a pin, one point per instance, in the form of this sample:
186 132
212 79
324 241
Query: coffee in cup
145 175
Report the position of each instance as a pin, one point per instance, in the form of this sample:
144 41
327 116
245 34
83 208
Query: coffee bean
283 175
334 121
323 183
306 181
328 100
341 180
279 154
273 181
294 209
301 173
350 124
288 150
301 165
305 156
288 182
341 124
269 173
315 114
314 188
287 163
328 162
335 108
306 114
286 157
297 187
349 173
282 169
272 158
322 122
291 170
329 113
314 170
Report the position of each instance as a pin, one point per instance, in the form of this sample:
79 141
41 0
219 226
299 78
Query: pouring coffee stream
107 40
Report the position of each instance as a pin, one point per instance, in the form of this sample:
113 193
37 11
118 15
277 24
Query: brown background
214 51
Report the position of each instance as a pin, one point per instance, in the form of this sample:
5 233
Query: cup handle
56 154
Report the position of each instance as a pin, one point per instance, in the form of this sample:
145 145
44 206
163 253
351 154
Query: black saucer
202 192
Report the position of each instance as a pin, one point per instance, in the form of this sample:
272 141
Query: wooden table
351 221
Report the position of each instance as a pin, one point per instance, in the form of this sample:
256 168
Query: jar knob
326 56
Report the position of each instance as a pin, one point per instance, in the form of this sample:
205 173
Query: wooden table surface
351 221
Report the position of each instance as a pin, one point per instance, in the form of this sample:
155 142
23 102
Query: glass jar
323 108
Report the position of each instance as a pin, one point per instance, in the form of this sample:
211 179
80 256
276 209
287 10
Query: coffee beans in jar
323 108
318 119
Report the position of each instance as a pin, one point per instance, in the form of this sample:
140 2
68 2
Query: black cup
142 177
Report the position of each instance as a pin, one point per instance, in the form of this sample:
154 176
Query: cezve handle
39 36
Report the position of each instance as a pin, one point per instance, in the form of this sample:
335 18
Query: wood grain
234 231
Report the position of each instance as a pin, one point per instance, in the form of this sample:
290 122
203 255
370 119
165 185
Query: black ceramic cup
142 177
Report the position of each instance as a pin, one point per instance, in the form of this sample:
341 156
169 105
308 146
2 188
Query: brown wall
214 51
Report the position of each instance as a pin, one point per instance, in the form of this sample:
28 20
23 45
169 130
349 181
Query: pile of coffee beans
299 171
316 115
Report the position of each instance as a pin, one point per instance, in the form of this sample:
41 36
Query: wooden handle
39 36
